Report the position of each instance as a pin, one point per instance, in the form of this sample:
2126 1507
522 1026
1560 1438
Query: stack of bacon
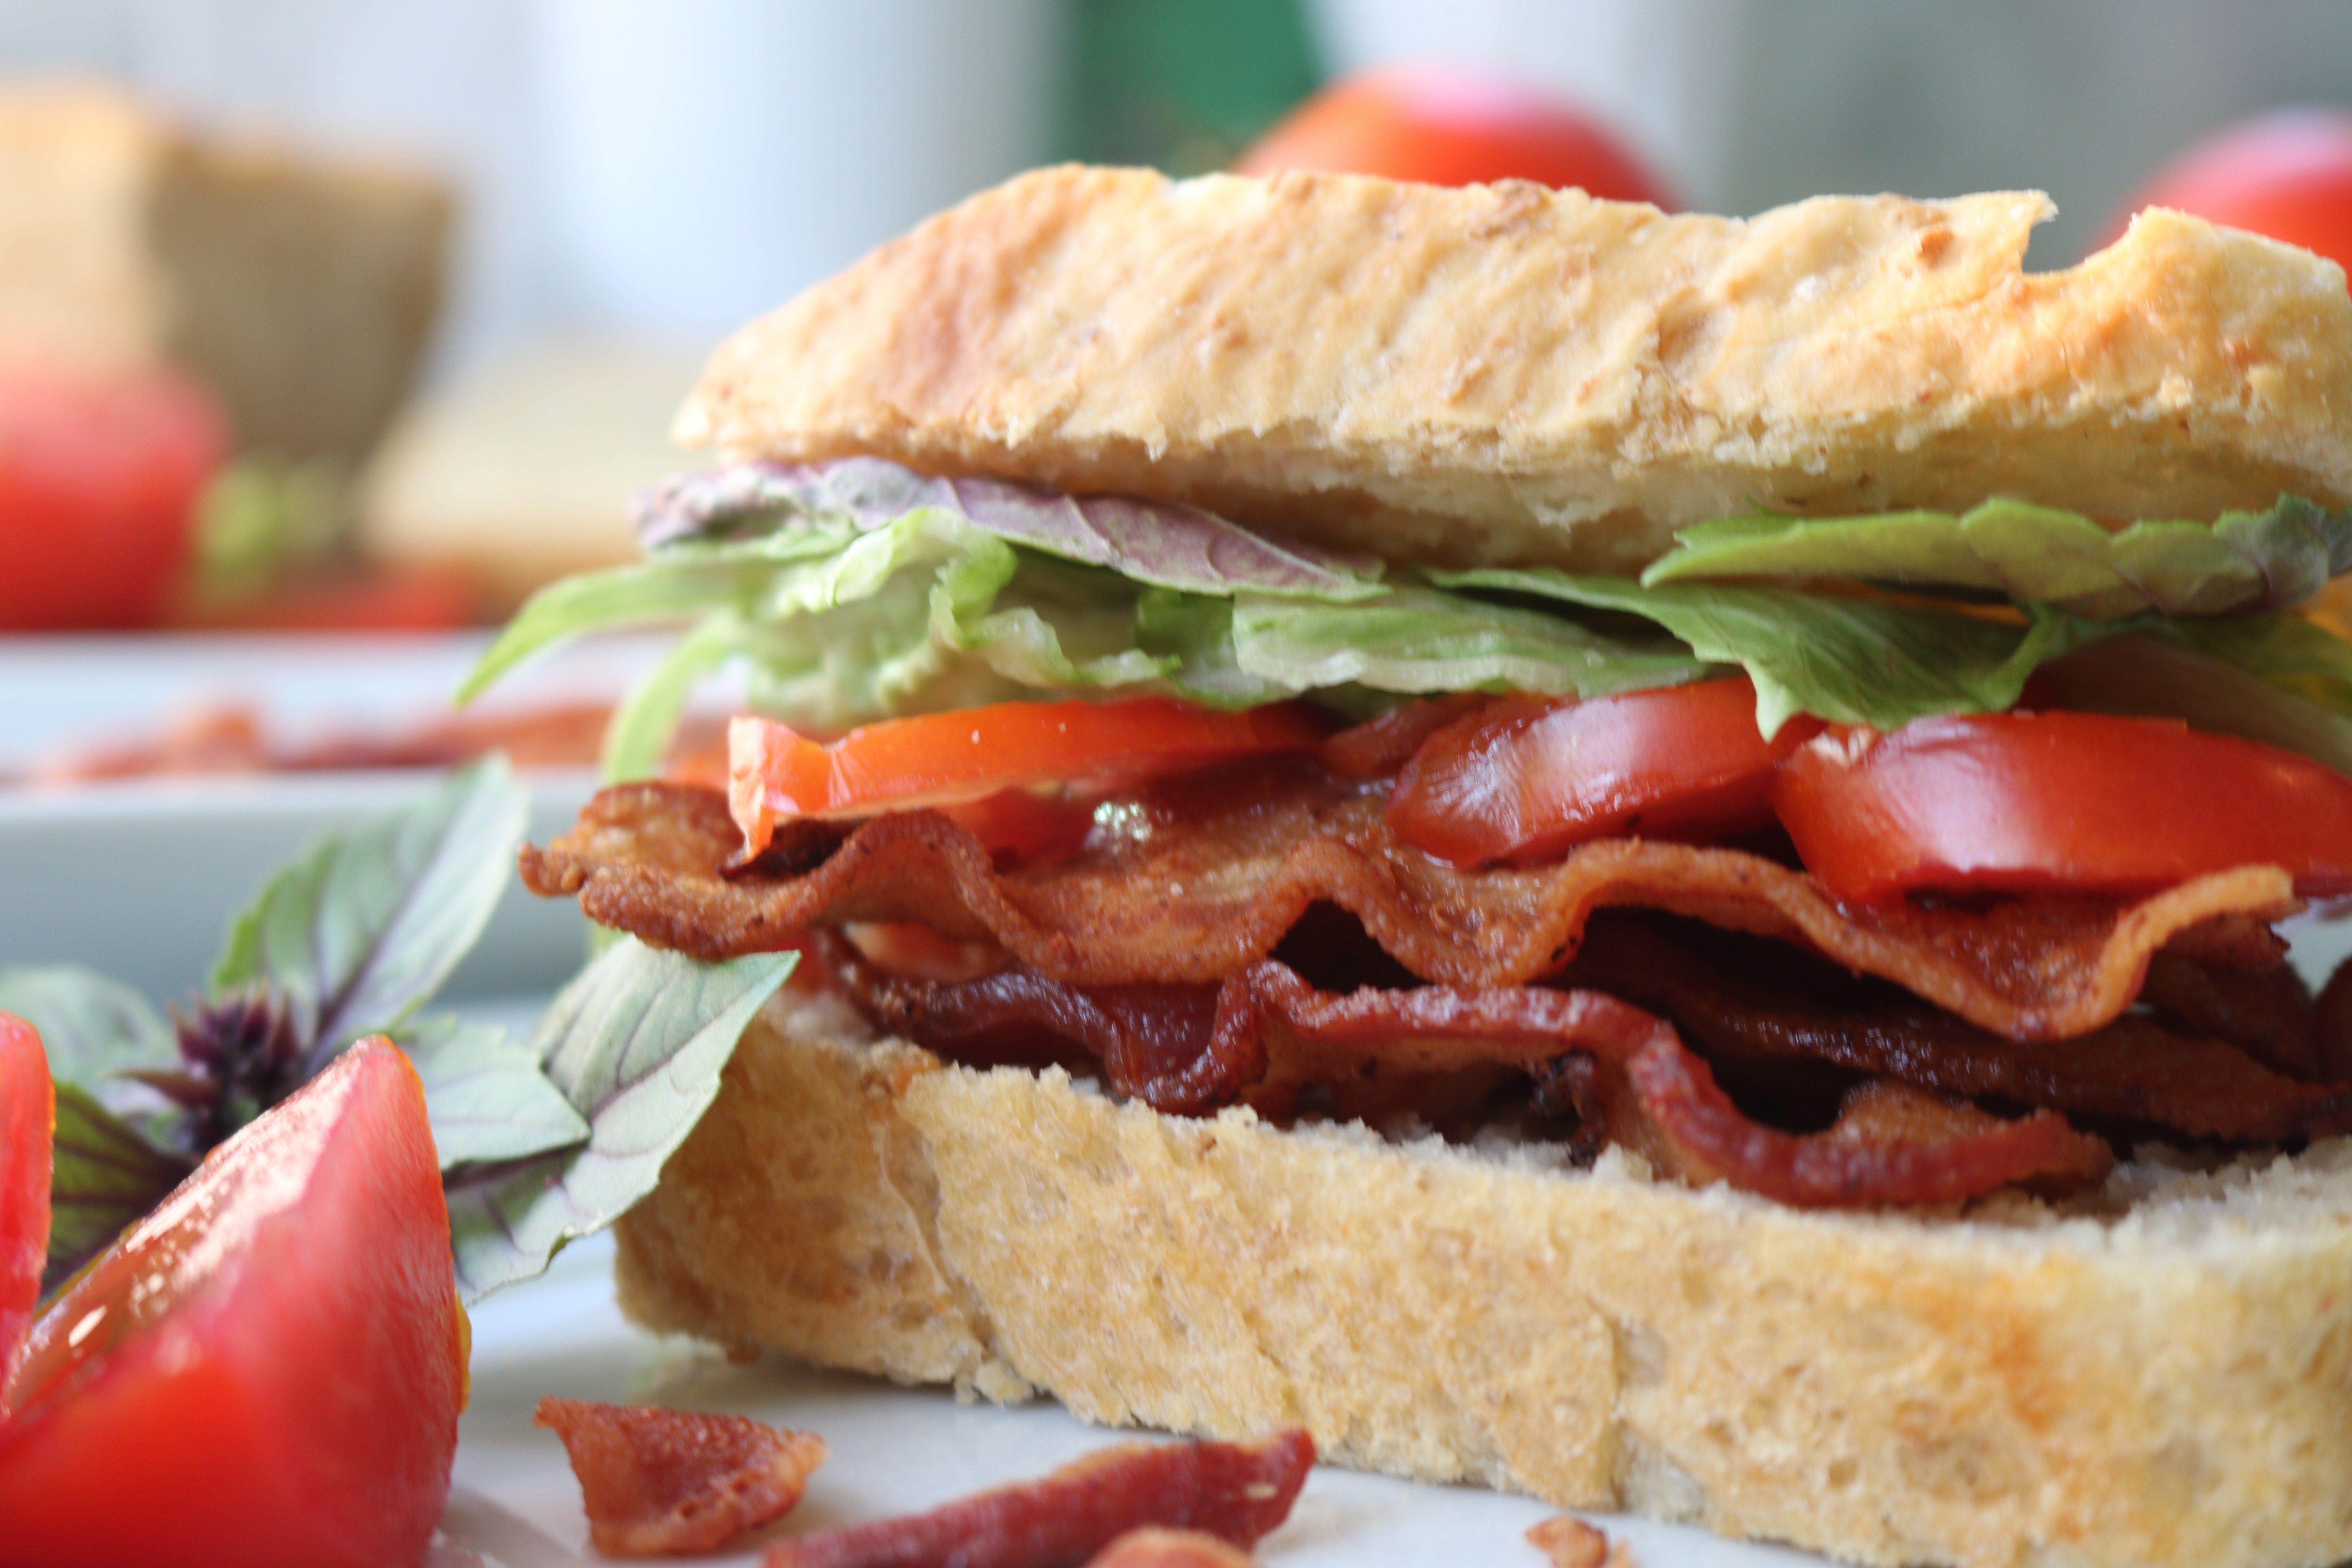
1274 931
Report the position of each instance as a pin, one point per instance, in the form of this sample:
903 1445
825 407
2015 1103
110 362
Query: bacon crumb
1234 1491
1154 1548
659 1482
1571 1542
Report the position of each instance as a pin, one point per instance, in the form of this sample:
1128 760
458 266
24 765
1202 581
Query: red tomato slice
1448 126
944 759
28 1111
2085 802
1528 778
266 1370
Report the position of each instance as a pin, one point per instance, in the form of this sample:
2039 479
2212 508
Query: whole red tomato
1444 126
99 472
267 1371
2286 174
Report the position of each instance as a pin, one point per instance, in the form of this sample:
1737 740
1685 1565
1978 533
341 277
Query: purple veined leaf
1165 545
104 1177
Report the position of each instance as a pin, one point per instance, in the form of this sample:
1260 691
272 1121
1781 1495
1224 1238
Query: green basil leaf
362 930
1417 639
104 1177
2246 561
485 1096
90 1026
1851 662
636 1045
1157 544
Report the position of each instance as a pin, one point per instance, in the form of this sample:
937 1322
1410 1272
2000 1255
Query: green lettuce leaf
636 1045
485 1096
103 1177
357 933
1418 639
2246 561
1851 662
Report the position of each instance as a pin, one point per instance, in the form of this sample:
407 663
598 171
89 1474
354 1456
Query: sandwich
1630 858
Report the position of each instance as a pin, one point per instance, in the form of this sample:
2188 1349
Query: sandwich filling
1884 860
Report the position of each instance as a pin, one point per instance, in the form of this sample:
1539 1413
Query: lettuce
1157 544
1851 662
2245 563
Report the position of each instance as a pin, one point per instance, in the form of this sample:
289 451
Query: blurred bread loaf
302 287
524 474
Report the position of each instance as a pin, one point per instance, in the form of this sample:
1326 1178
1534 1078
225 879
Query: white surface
514 1504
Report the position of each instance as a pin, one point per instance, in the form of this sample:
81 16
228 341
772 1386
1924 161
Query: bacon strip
660 1482
1234 1491
1195 880
2133 1069
1265 1034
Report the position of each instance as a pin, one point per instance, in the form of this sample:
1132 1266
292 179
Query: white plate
514 1504
139 877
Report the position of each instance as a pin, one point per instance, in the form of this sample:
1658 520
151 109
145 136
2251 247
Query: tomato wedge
944 759
2083 801
266 1370
28 1110
1526 778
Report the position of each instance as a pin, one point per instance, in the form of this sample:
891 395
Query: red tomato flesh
2033 801
28 1123
947 759
1528 778
266 1370
100 474
1447 126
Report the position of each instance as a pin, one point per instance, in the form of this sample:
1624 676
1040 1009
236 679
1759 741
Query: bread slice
1513 373
2161 1376
302 287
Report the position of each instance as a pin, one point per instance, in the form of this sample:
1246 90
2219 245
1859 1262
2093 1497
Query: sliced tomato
2286 174
2084 801
28 1111
266 1370
946 758
1526 778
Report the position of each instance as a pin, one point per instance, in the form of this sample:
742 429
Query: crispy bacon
660 1482
1195 881
2133 1070
1169 1548
1234 1491
1265 1034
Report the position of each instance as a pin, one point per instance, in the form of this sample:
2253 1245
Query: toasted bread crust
1512 373
2163 1387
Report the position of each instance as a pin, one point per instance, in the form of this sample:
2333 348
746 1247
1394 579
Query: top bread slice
1513 373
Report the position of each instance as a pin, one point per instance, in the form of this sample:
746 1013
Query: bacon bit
1169 1548
1570 1542
658 1483
1192 884
1234 1491
2266 1014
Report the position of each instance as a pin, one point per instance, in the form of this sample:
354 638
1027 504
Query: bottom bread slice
2162 1376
